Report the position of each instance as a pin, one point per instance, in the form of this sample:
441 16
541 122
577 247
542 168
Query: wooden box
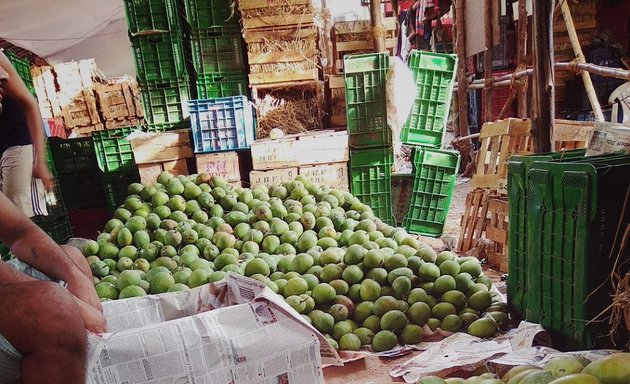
497 232
46 91
354 37
569 134
298 150
81 111
273 176
336 93
224 164
162 147
149 172
118 101
331 175
261 14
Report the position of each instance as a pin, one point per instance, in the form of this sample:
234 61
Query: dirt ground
376 370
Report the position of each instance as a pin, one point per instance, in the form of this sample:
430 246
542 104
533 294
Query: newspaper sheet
609 138
233 331
463 352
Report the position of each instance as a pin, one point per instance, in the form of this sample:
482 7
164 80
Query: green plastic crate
82 190
366 109
575 212
165 102
58 229
73 155
113 150
217 54
115 186
159 56
371 180
204 14
435 174
49 159
152 15
23 68
212 86
517 217
434 74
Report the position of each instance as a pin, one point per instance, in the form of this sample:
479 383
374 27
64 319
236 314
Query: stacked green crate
435 169
218 59
158 43
23 68
114 156
372 156
565 214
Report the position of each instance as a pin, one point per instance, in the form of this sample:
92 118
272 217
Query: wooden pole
487 59
378 30
522 56
543 111
579 55
327 38
462 92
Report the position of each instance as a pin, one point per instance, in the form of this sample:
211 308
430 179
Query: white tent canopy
66 30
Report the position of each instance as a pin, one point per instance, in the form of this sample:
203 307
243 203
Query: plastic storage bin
211 86
165 102
73 155
113 150
152 15
223 124
159 56
202 14
214 53
115 186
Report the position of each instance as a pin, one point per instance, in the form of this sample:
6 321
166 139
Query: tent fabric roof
66 30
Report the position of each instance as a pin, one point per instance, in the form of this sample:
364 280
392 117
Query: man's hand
93 319
81 287
41 171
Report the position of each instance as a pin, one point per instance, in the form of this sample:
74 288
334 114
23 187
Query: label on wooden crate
161 147
609 138
274 154
272 176
331 175
223 164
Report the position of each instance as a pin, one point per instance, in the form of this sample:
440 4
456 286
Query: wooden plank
336 81
256 4
589 24
273 176
163 146
282 57
362 26
223 164
278 77
322 147
265 35
367 45
331 175
279 20
273 154
474 219
149 173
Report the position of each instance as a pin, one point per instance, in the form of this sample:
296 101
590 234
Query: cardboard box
161 147
331 175
272 176
311 148
224 164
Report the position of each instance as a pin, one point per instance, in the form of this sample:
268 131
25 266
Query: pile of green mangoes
357 280
566 369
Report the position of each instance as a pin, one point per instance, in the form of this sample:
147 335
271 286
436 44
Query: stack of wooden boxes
321 157
155 153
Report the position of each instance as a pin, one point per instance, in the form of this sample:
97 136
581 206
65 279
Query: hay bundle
621 304
292 111
282 10
266 46
300 66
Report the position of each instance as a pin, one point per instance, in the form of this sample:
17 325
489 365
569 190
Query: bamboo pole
543 111
462 94
487 59
378 30
579 55
522 55
327 37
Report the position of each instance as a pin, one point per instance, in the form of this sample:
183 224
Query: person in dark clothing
23 168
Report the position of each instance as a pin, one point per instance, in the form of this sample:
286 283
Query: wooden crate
279 55
311 148
73 77
224 164
273 176
497 232
276 13
81 111
162 146
569 134
354 37
85 131
336 95
499 141
330 175
474 220
117 101
149 172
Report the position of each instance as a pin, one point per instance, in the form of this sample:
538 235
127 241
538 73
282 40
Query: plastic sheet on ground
463 352
233 331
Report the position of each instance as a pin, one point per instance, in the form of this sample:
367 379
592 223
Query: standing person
23 167
42 324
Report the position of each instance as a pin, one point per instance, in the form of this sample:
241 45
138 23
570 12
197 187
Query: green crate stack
159 45
217 49
23 68
371 180
573 215
434 181
434 74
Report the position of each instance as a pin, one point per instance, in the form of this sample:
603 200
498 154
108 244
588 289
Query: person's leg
17 177
42 322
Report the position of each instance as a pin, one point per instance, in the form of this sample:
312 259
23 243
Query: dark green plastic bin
371 180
